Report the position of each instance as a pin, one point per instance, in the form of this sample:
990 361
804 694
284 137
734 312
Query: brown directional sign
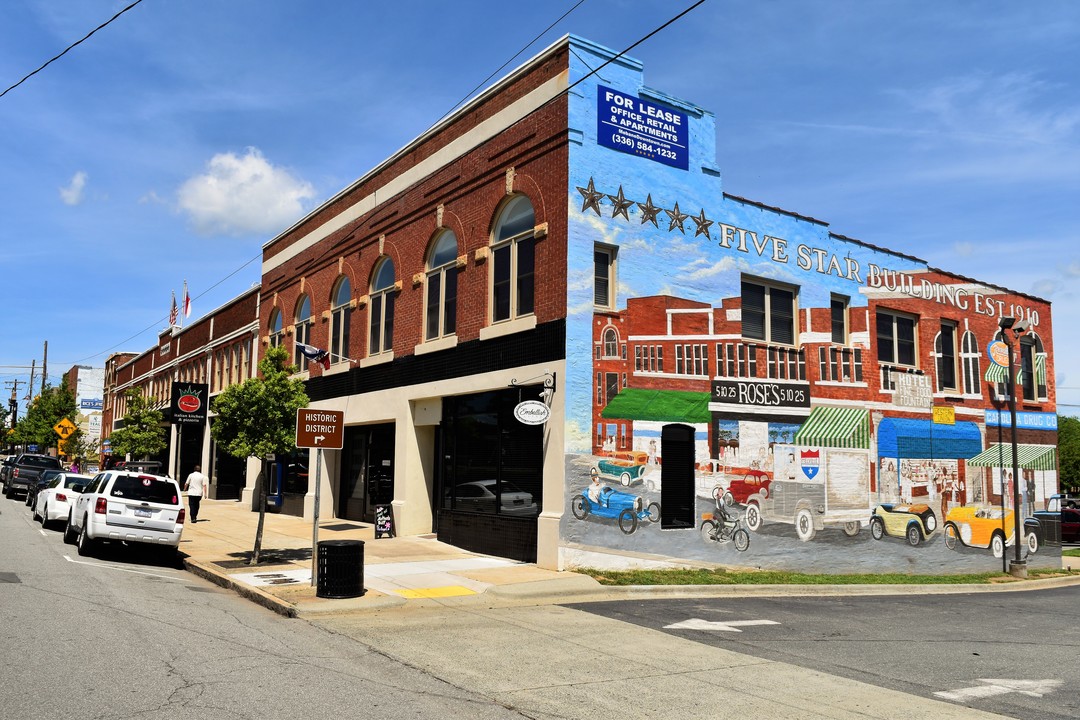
322 429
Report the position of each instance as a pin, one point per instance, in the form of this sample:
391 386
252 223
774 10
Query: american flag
174 313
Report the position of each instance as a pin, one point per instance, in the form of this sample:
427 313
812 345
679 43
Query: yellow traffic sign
64 428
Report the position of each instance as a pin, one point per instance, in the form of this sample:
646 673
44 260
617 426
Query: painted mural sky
177 140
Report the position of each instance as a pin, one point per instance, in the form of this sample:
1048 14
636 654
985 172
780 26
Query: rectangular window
839 311
730 354
823 364
751 352
857 362
679 367
660 358
768 312
637 358
1027 369
500 264
834 363
599 389
896 338
946 358
612 380
603 276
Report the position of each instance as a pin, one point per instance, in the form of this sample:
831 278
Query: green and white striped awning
837 427
996 374
1031 457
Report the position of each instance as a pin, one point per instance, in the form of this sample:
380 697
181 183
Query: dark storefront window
493 464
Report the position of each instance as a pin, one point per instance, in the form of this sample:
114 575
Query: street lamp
1018 566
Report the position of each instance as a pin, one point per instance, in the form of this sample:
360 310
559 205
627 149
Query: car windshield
145 489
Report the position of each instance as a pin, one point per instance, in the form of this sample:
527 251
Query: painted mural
834 399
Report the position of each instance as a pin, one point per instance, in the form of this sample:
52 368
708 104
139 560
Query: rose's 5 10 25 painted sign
761 394
631 125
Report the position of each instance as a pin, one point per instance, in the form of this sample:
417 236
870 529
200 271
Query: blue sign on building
632 125
90 404
1024 420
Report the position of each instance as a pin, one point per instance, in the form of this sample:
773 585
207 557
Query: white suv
125 506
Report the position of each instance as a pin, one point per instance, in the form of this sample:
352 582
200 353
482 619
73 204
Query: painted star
592 198
649 211
677 219
621 204
703 225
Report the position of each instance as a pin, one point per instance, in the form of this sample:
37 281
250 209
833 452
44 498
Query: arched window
513 255
970 359
382 309
276 328
440 307
303 331
340 316
611 343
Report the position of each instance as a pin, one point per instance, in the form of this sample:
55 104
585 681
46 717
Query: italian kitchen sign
761 394
189 403
633 125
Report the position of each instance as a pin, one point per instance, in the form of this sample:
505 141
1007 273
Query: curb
247 591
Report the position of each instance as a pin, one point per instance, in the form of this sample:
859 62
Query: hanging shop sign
633 125
189 403
532 412
998 352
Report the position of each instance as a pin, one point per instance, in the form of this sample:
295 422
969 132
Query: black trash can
340 568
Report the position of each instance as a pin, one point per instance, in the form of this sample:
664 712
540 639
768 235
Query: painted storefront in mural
737 367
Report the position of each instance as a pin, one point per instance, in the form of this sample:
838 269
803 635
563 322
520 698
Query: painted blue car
627 508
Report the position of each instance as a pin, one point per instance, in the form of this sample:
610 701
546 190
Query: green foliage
143 435
1068 452
257 417
50 407
720 576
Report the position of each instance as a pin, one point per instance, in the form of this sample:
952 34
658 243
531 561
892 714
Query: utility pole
30 386
45 366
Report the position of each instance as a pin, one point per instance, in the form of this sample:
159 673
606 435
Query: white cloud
239 195
73 193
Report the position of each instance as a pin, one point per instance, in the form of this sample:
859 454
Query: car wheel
628 521
580 507
753 517
85 543
742 540
729 499
914 536
625 478
931 522
997 545
1032 543
654 512
952 535
877 528
851 529
708 531
69 532
804 525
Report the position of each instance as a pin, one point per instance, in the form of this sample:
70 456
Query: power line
69 47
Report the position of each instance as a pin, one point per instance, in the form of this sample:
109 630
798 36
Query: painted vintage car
1051 527
742 485
979 526
914 521
626 467
627 508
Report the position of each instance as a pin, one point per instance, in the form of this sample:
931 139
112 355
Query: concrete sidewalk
420 571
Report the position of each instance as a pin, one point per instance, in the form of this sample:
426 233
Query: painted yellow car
980 526
916 522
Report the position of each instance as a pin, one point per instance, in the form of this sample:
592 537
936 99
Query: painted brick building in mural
564 240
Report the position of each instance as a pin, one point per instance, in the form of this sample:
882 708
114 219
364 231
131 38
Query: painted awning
1032 457
927 440
659 406
838 427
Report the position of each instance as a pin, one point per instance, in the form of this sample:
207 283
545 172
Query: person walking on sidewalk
195 486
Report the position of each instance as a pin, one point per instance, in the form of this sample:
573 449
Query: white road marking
122 569
725 626
993 687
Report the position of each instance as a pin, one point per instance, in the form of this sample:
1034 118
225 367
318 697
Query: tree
143 435
257 418
1068 452
45 411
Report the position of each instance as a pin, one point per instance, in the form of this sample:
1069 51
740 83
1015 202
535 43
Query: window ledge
377 359
336 368
508 327
444 343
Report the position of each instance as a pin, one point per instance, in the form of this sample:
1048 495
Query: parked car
624 466
1070 525
24 470
1042 528
980 526
123 506
742 486
54 501
627 508
479 496
35 487
916 521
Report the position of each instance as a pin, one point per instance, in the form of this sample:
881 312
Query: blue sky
181 137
